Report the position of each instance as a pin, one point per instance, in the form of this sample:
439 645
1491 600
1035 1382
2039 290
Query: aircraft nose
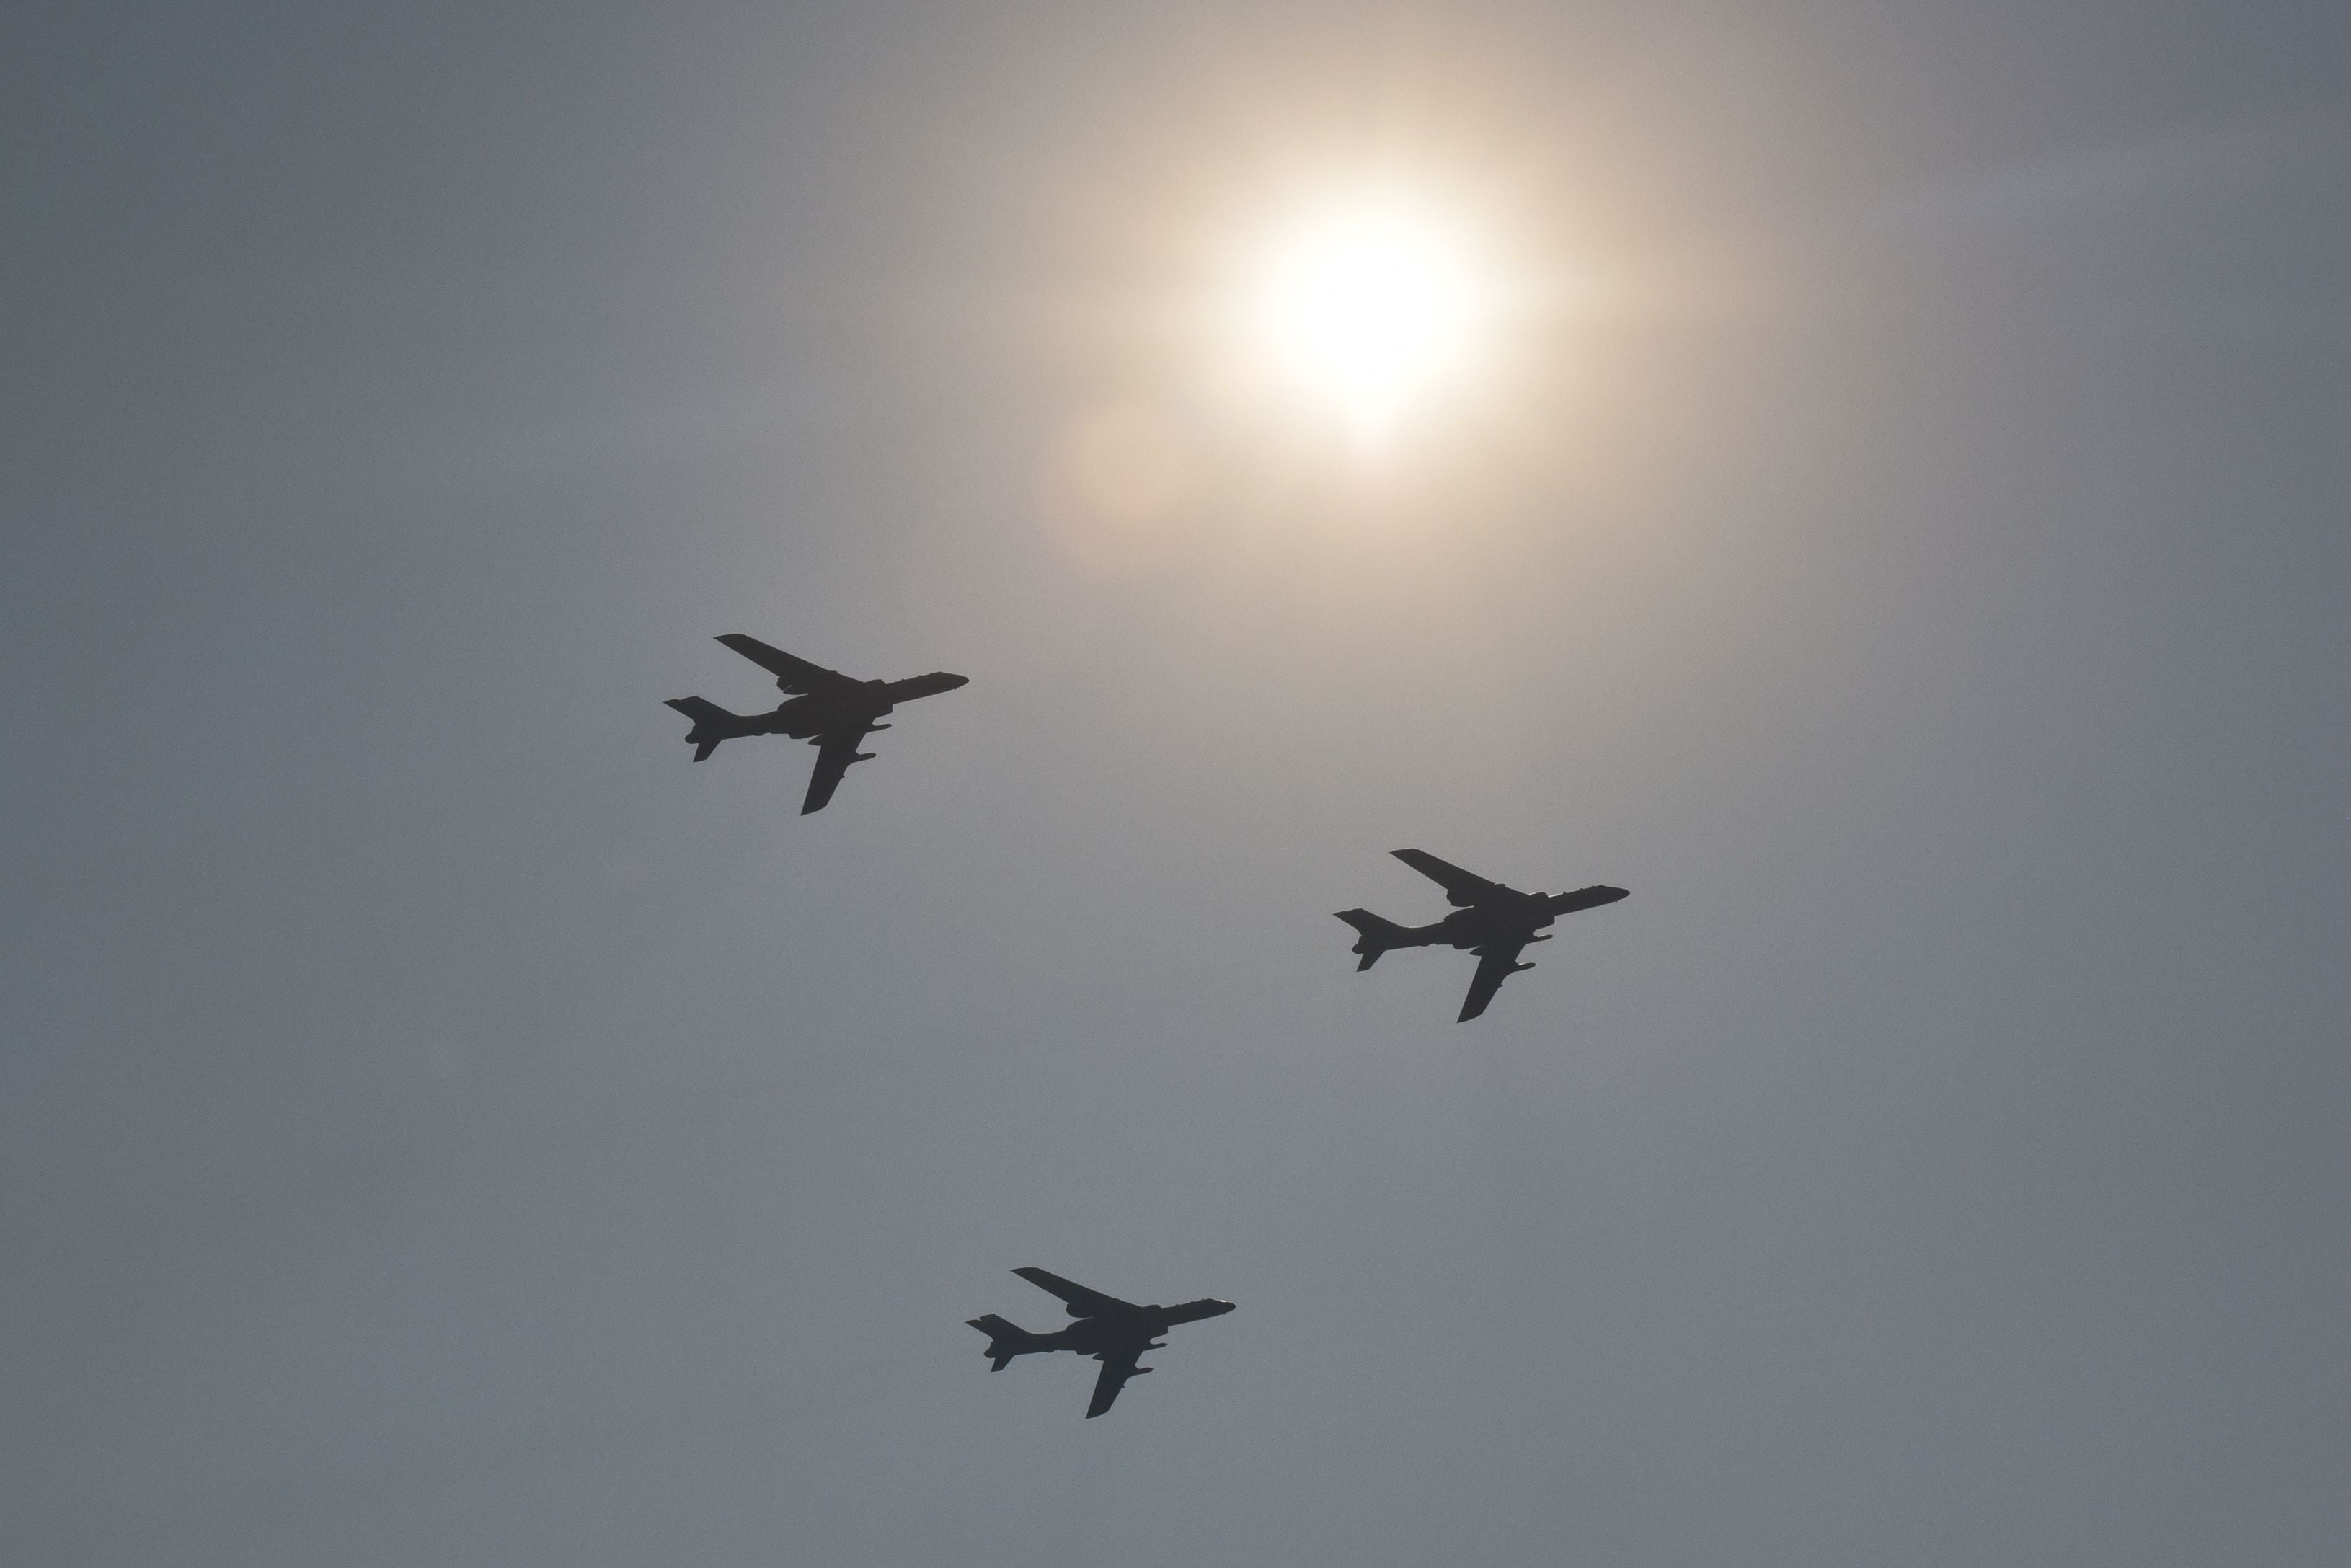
1221 1308
1616 892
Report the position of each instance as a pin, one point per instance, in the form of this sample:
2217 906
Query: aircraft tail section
1006 1340
712 724
1375 935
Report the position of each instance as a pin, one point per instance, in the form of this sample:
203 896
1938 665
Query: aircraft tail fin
1005 1339
1373 936
712 724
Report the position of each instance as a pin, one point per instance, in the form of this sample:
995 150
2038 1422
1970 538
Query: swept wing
1082 1302
1460 886
834 753
1117 1368
796 675
1496 963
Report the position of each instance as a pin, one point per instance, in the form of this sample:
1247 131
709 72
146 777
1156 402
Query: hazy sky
444 1124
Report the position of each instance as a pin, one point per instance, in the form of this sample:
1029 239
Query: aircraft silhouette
1494 921
830 711
1112 1331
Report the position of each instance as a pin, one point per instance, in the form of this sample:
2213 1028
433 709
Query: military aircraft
1494 921
830 711
1112 1331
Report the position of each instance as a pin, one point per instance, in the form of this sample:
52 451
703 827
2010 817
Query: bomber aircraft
830 711
1112 1331
1494 921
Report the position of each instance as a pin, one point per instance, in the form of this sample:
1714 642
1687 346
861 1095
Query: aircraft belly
1480 932
1089 1339
829 720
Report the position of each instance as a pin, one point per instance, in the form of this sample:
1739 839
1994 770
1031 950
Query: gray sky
444 1126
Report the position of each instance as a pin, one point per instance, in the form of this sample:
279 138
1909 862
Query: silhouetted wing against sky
1083 1303
1117 1366
795 674
1460 886
834 753
1495 965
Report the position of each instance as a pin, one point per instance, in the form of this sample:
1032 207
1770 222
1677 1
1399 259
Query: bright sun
1370 306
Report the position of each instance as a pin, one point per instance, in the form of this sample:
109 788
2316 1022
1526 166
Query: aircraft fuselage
1093 1336
1511 923
1115 1332
806 718
1482 923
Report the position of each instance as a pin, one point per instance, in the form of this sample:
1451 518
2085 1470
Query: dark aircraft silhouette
827 709
1494 921
1112 1331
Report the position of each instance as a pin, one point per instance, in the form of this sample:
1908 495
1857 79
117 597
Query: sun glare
1369 306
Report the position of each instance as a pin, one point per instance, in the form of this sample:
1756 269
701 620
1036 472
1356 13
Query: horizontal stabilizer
712 724
1374 936
1006 1340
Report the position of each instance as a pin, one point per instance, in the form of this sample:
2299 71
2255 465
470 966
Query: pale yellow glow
1370 307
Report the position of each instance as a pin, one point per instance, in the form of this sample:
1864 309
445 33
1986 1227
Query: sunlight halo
1369 305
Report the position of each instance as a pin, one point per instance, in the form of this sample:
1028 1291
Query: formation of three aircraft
835 713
